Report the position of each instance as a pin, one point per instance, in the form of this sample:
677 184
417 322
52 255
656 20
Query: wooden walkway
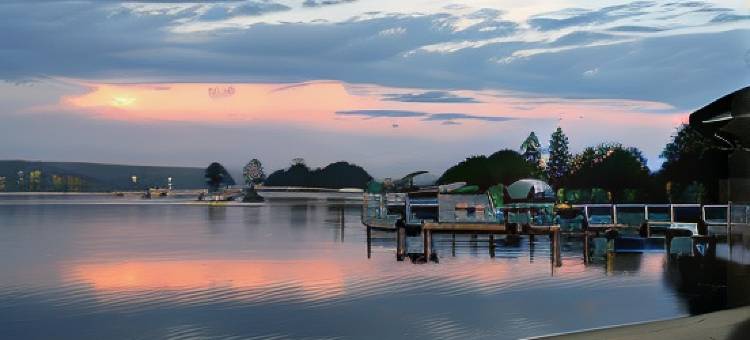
380 224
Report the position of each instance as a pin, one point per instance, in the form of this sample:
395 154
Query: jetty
676 229
436 210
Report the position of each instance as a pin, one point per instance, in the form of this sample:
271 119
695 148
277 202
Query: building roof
727 119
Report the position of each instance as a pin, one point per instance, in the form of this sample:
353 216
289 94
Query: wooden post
427 239
342 223
531 247
400 243
586 252
453 244
369 242
558 258
492 245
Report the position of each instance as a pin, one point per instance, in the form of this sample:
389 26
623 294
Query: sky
391 85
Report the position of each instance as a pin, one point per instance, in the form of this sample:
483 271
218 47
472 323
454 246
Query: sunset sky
391 85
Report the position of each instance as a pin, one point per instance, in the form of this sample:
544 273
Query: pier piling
400 243
427 235
492 245
369 242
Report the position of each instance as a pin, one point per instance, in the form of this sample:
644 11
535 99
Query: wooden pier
491 229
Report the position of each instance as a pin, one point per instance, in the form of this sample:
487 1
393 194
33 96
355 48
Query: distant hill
94 177
334 176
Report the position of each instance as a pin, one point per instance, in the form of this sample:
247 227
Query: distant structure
21 182
727 121
221 91
2 184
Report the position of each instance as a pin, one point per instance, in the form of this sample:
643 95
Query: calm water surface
290 269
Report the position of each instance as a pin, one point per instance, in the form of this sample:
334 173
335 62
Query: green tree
216 176
505 166
335 175
692 167
558 165
612 168
253 173
531 149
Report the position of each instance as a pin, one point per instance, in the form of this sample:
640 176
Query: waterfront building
727 121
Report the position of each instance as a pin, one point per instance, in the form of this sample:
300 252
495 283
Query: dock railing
656 217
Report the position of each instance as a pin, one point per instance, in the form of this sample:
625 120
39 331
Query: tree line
605 173
335 176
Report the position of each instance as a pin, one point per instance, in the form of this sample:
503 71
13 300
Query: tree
335 175
340 175
531 149
692 167
505 166
558 165
253 173
612 168
216 175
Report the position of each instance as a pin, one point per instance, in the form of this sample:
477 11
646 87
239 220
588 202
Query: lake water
291 269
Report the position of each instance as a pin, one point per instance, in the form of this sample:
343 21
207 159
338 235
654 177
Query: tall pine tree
558 165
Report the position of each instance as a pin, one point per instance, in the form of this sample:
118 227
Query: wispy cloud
580 17
464 116
319 3
634 28
429 97
382 113
725 17
446 118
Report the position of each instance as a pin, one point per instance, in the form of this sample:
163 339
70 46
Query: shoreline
724 324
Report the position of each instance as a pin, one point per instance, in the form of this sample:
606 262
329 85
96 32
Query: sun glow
122 101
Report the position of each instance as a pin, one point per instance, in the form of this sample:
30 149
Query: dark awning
727 119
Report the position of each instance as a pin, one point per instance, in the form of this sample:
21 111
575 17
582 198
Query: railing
658 216
655 213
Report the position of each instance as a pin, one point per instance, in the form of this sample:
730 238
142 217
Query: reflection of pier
679 230
428 230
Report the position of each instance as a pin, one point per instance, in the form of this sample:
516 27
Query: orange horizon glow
314 104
